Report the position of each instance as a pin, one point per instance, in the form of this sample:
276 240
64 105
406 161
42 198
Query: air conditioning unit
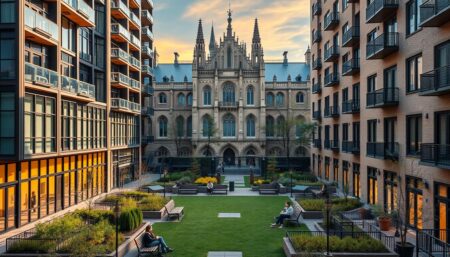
39 80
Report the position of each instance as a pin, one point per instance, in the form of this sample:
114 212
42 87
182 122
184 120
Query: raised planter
289 251
255 188
156 214
311 214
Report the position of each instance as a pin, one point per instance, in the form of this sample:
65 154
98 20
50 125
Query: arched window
228 93
229 126
189 99
162 126
280 99
181 100
184 152
189 126
180 126
163 152
207 123
298 127
250 96
207 95
251 130
162 98
269 100
281 127
270 126
229 55
300 97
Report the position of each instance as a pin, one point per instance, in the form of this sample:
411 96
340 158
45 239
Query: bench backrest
170 206
220 187
267 186
189 187
138 241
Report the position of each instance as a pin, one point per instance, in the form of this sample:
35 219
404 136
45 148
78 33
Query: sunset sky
283 24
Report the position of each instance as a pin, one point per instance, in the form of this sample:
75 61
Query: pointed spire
212 39
229 29
256 37
200 38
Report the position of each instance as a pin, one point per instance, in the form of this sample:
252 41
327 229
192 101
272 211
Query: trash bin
231 186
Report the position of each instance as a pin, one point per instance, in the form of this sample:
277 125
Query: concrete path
238 180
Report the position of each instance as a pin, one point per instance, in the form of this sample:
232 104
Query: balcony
119 80
146 18
435 155
147 51
317 143
147 33
351 37
119 56
331 112
434 13
334 145
119 33
384 150
39 28
317 115
435 82
383 98
331 54
382 46
380 10
317 88
79 12
350 67
148 89
135 64
135 84
317 8
147 4
147 70
135 4
317 64
351 106
350 147
120 104
41 76
79 88
331 21
317 36
331 79
228 105
135 107
135 43
119 10
134 22
148 111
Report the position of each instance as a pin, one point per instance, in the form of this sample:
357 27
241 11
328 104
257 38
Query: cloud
167 46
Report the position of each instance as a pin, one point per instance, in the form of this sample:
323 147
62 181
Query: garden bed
156 214
314 208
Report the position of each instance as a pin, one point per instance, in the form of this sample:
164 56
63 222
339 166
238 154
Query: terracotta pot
385 223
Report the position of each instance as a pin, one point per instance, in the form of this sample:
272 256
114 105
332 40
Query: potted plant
384 218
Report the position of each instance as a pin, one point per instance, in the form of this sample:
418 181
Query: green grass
247 181
201 231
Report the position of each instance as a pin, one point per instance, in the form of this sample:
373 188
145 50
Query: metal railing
147 50
388 40
350 146
317 115
146 31
331 79
334 144
433 242
317 63
317 36
383 97
350 106
331 52
435 154
134 18
135 41
134 83
350 65
331 20
135 107
317 8
316 88
435 80
148 89
147 69
40 24
118 4
146 14
117 77
385 150
120 103
431 8
78 87
376 6
351 33
331 111
88 11
41 76
317 143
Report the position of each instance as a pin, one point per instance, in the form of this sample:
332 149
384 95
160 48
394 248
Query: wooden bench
188 189
146 251
295 217
173 212
268 189
220 189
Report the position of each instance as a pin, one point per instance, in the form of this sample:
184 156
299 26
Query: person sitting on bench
150 239
284 214
209 187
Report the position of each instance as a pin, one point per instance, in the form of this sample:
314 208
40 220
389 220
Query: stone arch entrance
229 157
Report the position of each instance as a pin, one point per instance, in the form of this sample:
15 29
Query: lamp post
164 181
116 215
291 182
328 206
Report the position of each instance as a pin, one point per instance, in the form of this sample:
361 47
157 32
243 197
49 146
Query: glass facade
7 128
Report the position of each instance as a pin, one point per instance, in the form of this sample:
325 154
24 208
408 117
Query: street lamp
291 182
164 181
116 215
328 205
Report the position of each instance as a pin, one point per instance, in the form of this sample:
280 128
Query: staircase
242 170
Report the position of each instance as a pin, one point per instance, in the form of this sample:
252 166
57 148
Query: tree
271 168
177 132
209 131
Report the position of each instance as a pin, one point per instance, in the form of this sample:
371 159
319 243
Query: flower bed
205 180
339 204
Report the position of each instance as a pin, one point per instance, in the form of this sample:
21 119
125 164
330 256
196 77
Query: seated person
150 239
209 187
284 214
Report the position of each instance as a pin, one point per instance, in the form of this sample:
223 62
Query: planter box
255 188
289 251
161 214
311 214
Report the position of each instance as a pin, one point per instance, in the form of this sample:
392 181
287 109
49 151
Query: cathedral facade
238 94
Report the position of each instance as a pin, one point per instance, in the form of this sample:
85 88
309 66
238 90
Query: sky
283 25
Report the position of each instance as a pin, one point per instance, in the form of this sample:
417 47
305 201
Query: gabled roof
178 71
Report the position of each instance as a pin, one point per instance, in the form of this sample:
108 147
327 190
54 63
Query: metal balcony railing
135 41
41 76
331 53
317 115
317 8
334 145
147 50
80 88
147 69
317 143
331 111
134 83
350 67
384 150
327 144
331 79
434 13
149 111
147 32
383 97
316 88
351 106
435 82
435 154
134 18
317 36
135 62
351 36
147 15
317 64
331 21
382 46
379 10
118 4
148 89
120 103
40 24
135 107
83 8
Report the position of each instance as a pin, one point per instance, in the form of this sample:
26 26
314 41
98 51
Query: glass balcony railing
119 53
40 24
77 87
121 6
41 76
135 62
116 28
135 19
146 31
135 84
117 77
120 103
148 89
135 41
146 14
147 50
84 8
135 107
147 69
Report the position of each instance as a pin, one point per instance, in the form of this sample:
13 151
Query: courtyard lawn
201 231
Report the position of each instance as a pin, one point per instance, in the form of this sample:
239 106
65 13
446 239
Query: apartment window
280 99
100 18
229 126
390 77
344 5
356 180
345 132
7 52
7 11
356 134
162 98
39 135
91 127
181 100
85 44
372 131
100 86
280 128
327 168
250 96
251 127
390 191
207 95
189 126
100 52
345 178
413 72
7 121
229 93
336 170
413 16
189 99
371 83
372 185
300 97
413 134
414 202
68 30
206 126
68 67
69 126
371 36
441 207
270 126
162 127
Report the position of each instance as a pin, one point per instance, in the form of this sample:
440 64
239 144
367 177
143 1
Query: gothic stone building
244 95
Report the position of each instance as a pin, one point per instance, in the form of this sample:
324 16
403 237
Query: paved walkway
238 180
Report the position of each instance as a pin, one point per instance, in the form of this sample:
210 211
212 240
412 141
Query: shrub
152 203
32 246
303 243
134 194
59 228
129 219
184 180
94 216
126 202
339 204
286 181
206 180
261 181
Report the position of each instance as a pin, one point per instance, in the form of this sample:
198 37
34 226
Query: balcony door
372 131
442 61
389 135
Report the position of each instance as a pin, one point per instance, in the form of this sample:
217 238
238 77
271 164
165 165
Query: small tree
177 133
195 167
272 168
209 131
